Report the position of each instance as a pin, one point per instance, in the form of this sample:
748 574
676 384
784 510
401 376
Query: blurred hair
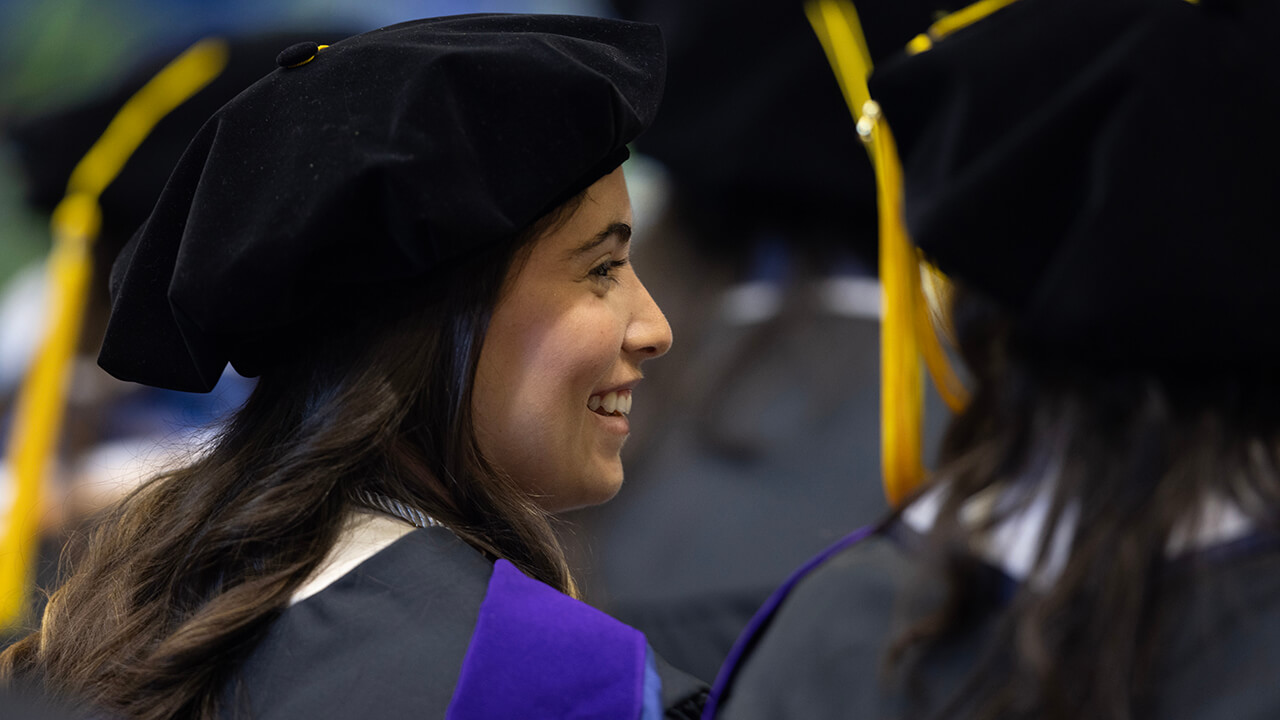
180 582
1128 459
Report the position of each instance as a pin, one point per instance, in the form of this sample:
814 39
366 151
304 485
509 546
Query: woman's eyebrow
620 230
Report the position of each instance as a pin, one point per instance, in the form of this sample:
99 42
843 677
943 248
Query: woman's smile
562 356
615 402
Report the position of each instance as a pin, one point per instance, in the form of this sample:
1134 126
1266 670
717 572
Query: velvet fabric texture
539 654
381 158
1106 169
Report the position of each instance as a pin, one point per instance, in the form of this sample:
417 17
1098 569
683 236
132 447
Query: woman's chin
590 493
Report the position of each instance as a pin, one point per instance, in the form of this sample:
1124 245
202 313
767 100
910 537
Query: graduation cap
753 130
365 163
1109 172
1105 169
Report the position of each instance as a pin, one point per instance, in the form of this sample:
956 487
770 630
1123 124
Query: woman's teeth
614 403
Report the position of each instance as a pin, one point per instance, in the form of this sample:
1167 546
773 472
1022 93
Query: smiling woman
446 350
563 356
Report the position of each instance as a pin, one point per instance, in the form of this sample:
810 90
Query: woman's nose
649 333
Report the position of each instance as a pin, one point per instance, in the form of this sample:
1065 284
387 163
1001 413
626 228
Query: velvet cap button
299 54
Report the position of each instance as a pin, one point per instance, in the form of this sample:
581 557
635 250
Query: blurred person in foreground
417 239
758 445
1101 538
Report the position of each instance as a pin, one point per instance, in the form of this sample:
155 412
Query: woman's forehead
603 215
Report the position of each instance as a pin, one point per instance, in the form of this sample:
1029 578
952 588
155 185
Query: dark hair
184 577
1133 455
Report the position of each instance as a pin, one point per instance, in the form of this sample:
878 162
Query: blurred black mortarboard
754 131
373 160
1109 171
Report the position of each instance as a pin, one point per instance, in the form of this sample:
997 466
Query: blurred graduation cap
366 163
753 130
1105 169
97 167
1108 171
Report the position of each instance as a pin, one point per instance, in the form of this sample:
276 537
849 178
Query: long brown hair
181 580
1130 457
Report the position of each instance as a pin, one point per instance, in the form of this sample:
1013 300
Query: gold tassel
901 379
962 18
907 331
41 399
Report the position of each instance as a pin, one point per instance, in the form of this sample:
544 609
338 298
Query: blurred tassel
839 30
933 301
907 330
957 20
41 399
901 378
76 222
965 17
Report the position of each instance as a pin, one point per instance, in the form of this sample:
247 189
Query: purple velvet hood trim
537 653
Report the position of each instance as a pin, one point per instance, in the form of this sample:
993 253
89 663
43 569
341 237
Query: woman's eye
607 270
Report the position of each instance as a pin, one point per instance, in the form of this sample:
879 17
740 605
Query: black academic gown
815 651
429 628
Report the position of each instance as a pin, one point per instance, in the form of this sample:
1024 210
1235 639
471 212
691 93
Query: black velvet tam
1109 170
373 162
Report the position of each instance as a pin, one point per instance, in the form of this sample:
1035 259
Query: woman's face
563 353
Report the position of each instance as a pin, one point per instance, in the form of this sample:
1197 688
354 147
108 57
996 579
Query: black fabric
683 696
388 640
754 129
828 635
387 154
822 655
295 55
385 640
1106 169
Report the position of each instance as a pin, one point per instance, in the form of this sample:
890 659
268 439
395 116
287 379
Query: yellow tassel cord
961 18
907 327
75 224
